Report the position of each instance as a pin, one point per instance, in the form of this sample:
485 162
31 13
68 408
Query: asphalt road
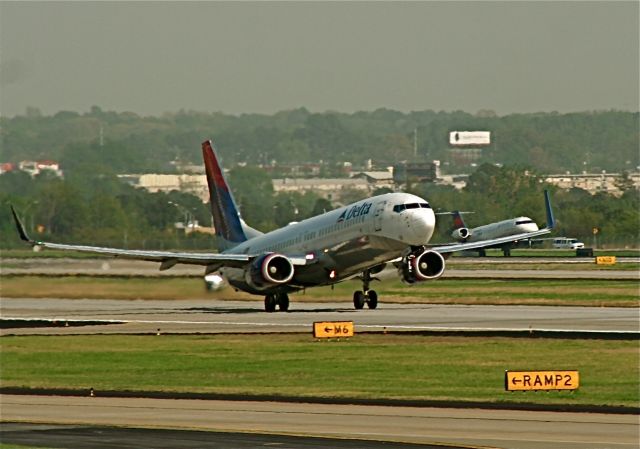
489 428
214 316
103 437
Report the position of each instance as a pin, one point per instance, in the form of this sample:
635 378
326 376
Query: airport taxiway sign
332 329
541 380
606 260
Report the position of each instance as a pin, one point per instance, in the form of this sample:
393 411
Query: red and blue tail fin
226 218
458 222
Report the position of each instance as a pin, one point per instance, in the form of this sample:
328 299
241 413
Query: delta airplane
511 226
354 240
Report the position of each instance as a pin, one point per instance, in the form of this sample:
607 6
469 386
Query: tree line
94 207
129 143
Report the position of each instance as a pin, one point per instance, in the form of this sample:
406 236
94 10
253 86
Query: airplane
356 240
511 226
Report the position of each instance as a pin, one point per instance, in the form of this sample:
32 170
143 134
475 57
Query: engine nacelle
461 234
269 270
424 266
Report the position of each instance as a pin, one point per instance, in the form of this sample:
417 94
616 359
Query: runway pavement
267 421
105 437
215 316
489 428
124 267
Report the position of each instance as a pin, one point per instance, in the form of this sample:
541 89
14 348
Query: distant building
193 184
293 170
459 182
33 168
416 172
7 167
325 187
368 181
197 184
592 182
376 179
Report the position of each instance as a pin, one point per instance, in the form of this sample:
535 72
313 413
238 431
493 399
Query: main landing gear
280 300
370 297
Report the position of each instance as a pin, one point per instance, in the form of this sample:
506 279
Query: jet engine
421 266
461 234
269 270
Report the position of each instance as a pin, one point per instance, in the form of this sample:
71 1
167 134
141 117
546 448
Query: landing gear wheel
270 302
372 299
358 299
283 302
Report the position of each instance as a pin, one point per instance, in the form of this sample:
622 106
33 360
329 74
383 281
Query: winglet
21 231
551 222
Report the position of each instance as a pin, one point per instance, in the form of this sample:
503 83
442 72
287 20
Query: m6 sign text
332 329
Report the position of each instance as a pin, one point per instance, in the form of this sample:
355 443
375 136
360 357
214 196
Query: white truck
567 243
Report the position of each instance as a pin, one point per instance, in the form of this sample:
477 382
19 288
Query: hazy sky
237 57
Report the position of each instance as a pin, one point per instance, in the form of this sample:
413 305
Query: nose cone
423 223
528 227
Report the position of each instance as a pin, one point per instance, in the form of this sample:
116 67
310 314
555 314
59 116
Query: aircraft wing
455 247
167 259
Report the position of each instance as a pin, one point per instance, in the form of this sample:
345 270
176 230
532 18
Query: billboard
469 138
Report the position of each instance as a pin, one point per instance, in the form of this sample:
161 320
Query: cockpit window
401 207
524 222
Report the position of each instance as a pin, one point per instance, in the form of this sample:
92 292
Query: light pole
26 210
181 209
188 220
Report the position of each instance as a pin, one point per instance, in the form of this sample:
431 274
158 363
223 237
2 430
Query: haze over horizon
263 57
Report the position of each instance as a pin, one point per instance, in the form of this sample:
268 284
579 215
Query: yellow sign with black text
333 329
605 260
541 380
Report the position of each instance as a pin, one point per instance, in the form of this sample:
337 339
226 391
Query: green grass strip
366 366
619 293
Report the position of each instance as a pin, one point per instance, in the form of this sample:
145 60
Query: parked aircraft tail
230 229
458 222
551 221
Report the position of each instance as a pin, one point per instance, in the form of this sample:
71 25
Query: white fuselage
503 228
351 238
